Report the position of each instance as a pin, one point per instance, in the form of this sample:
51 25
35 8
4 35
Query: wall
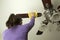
21 6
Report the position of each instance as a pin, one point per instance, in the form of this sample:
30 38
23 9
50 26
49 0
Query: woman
17 31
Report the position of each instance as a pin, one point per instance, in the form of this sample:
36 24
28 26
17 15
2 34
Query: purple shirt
19 32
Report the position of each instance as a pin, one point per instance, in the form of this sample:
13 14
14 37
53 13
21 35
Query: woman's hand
31 14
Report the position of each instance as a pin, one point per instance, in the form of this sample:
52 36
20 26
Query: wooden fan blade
25 15
49 3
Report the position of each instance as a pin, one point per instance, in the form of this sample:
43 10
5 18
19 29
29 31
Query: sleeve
29 25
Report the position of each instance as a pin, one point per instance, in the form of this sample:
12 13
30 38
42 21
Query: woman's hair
13 21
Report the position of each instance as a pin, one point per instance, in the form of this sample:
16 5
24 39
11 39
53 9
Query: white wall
21 6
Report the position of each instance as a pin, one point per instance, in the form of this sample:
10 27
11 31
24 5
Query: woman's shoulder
4 32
